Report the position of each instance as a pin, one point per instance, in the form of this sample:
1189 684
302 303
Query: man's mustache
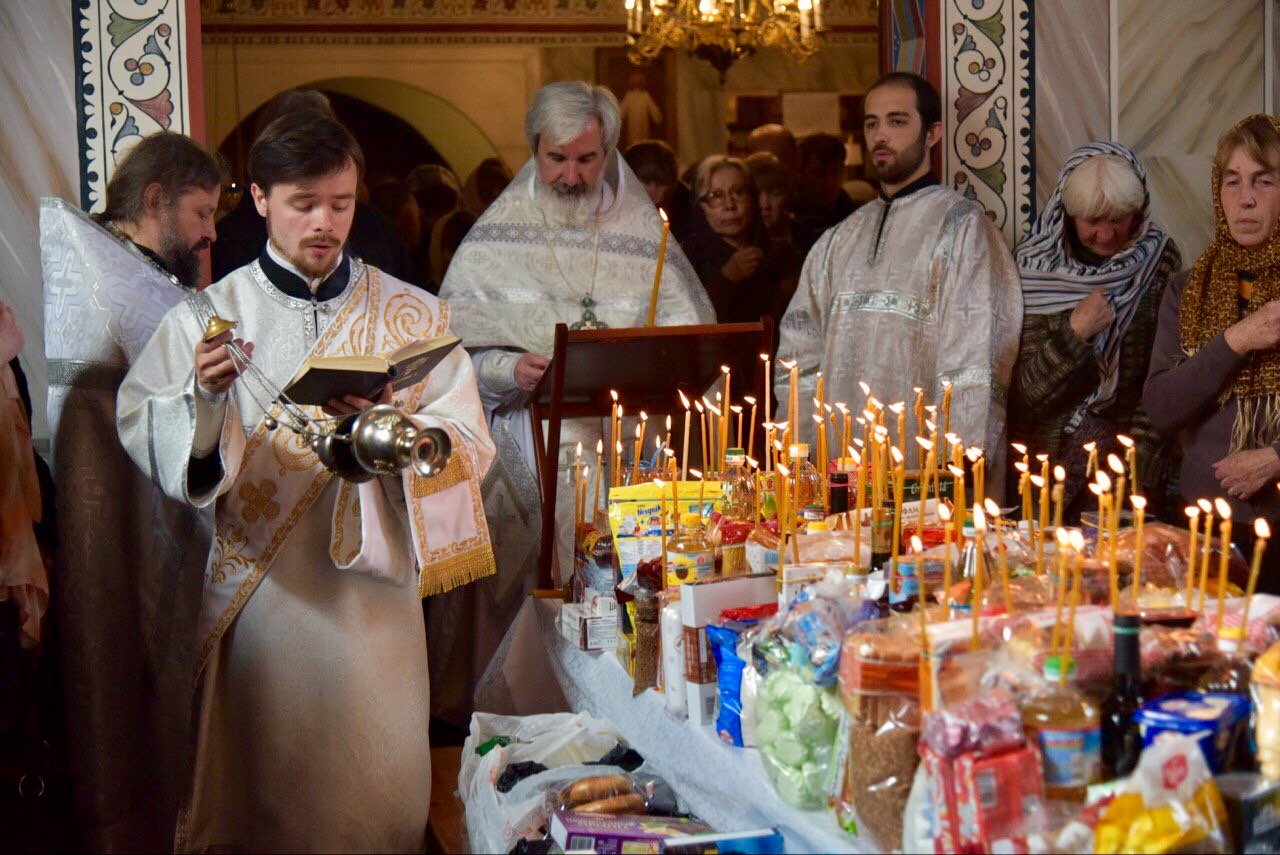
570 189
201 245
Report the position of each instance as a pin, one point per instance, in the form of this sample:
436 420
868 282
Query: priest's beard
299 258
566 205
180 258
903 165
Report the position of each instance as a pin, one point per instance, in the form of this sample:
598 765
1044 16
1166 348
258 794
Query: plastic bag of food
1163 586
1169 804
795 729
880 690
729 639
1265 689
614 793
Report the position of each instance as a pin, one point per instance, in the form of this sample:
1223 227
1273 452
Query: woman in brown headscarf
1215 367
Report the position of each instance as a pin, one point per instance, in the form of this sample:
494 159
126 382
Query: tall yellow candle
859 503
1038 483
993 511
725 418
919 413
926 448
684 449
613 438
1024 490
737 411
900 410
751 430
1091 465
1261 533
1207 508
1064 553
768 391
1193 514
595 498
948 530
946 407
1068 647
657 274
899 482
980 538
1059 488
1044 499
1139 513
793 411
957 473
1224 557
1130 459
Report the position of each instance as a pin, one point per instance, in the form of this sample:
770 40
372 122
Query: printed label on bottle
1072 758
683 567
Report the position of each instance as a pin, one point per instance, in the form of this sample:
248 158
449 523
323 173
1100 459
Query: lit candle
957 493
662 257
899 482
900 410
1059 489
702 417
768 392
702 488
666 442
1068 647
751 431
578 500
1261 532
993 511
919 411
978 461
684 450
1091 466
793 411
805 8
613 438
595 498
925 446
1044 501
1193 514
1064 544
947 531
818 24
1139 512
586 475
918 548
1130 459
640 429
846 434
1207 507
1024 490
1038 482
725 417
1224 556
980 541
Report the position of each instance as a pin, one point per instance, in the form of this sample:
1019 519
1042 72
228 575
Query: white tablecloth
538 671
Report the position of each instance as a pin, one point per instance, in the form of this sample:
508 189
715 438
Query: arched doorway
391 145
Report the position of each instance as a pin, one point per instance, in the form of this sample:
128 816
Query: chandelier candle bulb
1139 513
662 257
1207 508
1193 515
1224 558
1261 533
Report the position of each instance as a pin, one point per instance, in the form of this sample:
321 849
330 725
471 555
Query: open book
323 377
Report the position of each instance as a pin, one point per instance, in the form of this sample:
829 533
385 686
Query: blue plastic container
1213 719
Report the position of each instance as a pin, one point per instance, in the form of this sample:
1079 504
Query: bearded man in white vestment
313 699
914 289
128 561
573 240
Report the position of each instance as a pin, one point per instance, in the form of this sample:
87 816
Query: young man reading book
313 698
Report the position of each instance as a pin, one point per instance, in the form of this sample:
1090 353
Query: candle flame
750 400
661 212
979 518
1115 464
897 455
860 420
874 402
737 408
684 401
1090 446
973 454
1104 481
783 470
586 470
1124 440
993 510
578 450
696 474
858 442
1096 489
924 443
866 390
1260 529
698 404
715 411
955 470
1077 540
1192 512
898 408
782 426
931 409
1204 505
1059 474
777 445
668 422
644 417
946 384
637 431
1022 467
930 426
724 368
917 390
1139 502
855 457
669 452
659 481
1063 537
1042 458
944 513
1223 509
753 463
788 365
599 446
619 444
817 419
1037 481
765 357
842 408
1019 447
614 394
916 544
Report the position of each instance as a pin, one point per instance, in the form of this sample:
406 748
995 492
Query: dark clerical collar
294 285
926 180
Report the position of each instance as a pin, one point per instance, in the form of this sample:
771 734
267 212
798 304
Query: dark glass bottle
882 537
838 493
1121 739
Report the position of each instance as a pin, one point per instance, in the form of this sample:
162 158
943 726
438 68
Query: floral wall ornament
131 81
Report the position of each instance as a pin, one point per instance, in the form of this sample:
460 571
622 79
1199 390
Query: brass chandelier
723 31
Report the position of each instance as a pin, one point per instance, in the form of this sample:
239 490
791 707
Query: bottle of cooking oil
690 557
1067 729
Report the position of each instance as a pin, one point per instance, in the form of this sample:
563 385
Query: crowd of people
1092 326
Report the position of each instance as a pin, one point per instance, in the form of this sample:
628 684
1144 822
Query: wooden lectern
645 366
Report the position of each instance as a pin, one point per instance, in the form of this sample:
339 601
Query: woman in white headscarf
1093 270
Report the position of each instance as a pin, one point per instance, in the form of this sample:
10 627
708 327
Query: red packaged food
942 778
995 794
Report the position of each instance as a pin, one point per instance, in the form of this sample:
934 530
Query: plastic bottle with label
738 487
805 479
1067 729
690 556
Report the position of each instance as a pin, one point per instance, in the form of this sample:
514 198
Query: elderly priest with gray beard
573 240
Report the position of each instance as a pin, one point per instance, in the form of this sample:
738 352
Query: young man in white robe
915 289
128 561
313 697
572 240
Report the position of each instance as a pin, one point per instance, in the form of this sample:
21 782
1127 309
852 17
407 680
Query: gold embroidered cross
258 502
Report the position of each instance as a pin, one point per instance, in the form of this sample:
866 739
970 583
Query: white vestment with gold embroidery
314 697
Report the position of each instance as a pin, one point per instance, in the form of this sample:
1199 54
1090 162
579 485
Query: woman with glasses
746 274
